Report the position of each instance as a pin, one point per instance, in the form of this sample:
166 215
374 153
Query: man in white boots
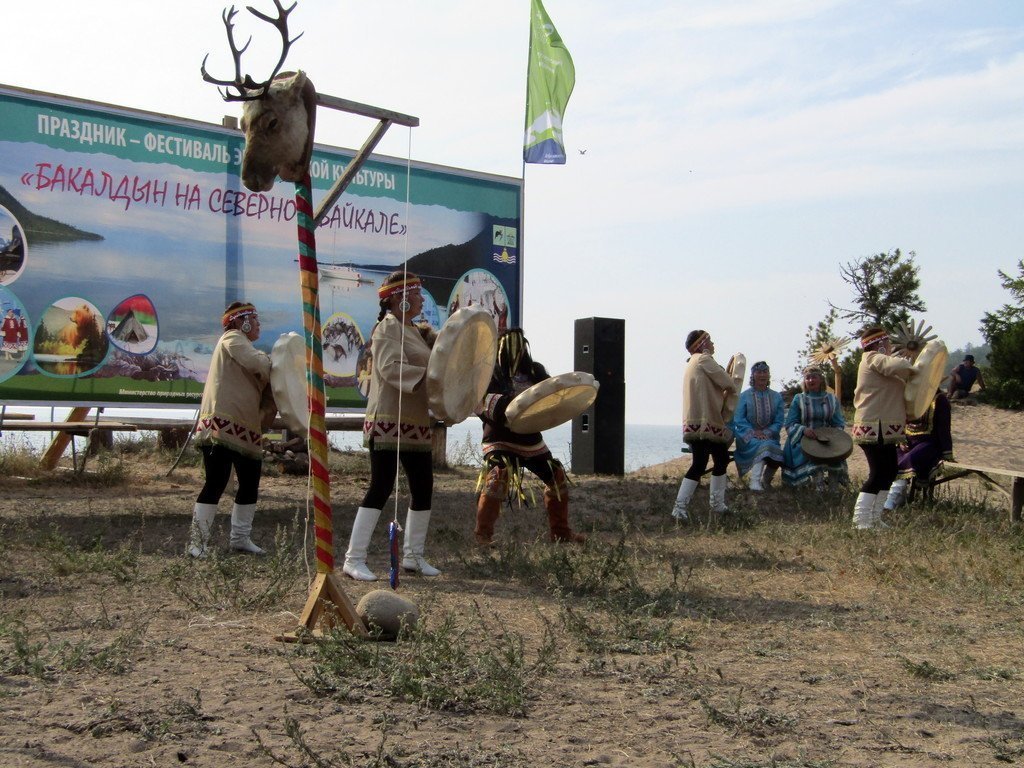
706 384
879 422
398 426
236 407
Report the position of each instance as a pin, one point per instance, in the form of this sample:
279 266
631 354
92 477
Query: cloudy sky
736 153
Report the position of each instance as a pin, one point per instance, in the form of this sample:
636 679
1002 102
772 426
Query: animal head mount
278 115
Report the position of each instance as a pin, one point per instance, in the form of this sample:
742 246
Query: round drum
551 402
461 364
829 446
929 369
288 381
737 369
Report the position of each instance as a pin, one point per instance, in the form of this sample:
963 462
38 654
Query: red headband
233 314
402 284
872 338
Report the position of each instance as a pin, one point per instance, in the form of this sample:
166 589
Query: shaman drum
737 369
830 446
925 379
551 402
461 364
288 381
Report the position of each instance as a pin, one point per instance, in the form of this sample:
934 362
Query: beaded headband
233 314
698 342
400 285
872 337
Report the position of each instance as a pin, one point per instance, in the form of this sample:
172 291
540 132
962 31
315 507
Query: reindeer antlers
247 88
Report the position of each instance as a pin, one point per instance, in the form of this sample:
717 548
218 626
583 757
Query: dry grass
776 636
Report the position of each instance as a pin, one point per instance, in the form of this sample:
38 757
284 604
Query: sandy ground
782 639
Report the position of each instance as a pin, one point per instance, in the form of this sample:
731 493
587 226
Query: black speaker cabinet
599 433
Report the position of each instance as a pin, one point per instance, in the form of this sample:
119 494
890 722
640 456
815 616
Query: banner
549 82
124 235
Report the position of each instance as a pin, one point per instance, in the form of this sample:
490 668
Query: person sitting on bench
929 441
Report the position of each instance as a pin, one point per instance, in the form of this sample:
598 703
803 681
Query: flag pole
522 156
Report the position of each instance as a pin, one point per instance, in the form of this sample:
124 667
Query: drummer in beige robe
236 407
706 384
398 426
879 421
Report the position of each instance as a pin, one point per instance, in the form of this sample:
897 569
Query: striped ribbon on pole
315 390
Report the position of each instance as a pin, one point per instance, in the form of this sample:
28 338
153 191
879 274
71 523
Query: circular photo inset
132 326
342 341
480 288
14 338
364 370
13 250
430 314
70 340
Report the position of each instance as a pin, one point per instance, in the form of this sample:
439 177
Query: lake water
646 444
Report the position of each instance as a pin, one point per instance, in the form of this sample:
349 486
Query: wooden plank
12 416
67 426
989 470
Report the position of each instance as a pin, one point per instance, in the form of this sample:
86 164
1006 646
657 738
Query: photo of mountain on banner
133 239
549 82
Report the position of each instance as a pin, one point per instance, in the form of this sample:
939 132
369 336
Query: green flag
549 82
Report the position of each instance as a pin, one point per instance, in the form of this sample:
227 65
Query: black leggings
217 462
419 471
882 467
702 450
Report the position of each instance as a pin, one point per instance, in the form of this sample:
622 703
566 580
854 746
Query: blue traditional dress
757 410
814 410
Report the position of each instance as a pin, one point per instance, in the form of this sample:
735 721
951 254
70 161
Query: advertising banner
124 235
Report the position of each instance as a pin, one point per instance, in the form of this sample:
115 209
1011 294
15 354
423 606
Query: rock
389 611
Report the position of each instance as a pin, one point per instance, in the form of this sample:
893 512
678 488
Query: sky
724 158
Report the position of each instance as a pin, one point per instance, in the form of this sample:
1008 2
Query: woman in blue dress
757 425
811 409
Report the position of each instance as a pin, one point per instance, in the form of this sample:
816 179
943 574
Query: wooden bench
954 471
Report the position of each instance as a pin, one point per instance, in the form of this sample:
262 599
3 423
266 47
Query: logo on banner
505 241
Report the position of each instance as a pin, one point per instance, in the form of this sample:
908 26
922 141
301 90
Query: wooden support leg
327 602
61 440
1016 499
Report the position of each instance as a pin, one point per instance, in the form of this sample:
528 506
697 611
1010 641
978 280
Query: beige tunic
237 401
399 371
879 409
705 386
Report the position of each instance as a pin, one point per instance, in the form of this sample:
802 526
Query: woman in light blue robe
757 425
813 408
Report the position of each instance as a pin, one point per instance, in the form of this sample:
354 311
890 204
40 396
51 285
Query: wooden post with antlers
278 117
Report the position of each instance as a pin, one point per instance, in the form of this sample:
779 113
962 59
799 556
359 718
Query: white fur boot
864 511
755 476
717 493
416 523
896 494
358 542
241 529
686 490
202 522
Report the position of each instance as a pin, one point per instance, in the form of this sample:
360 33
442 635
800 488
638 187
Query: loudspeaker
599 433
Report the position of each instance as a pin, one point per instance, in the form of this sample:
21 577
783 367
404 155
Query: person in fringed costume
398 428
879 422
811 409
236 407
507 453
929 441
706 384
757 425
10 335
